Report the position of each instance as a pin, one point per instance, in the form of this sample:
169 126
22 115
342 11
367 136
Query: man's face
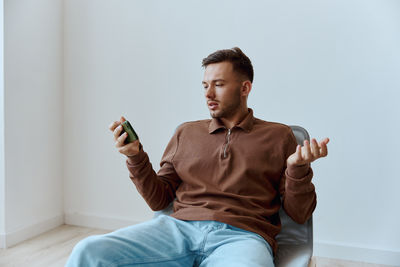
222 88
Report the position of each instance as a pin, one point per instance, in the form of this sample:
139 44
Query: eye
219 84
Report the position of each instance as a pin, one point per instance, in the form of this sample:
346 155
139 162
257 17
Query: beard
230 109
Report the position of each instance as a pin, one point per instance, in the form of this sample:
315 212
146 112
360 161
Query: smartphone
132 136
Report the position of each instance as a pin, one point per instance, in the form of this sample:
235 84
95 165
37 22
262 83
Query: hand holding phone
132 136
128 147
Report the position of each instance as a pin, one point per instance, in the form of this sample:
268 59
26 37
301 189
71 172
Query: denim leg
235 247
159 242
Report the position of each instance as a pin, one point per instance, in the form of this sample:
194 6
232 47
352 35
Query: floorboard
49 249
52 249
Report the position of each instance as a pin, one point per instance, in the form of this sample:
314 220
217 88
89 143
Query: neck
236 118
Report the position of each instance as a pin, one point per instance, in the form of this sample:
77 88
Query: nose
210 92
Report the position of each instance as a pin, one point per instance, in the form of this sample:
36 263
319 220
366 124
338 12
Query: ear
246 88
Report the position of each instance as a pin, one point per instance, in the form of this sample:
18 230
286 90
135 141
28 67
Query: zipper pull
227 142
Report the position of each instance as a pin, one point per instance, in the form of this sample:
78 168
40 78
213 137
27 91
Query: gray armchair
295 241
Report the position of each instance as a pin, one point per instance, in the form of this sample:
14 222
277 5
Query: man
227 178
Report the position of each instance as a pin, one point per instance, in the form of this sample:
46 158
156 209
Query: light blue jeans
166 241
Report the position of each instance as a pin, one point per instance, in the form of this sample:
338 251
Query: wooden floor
52 249
46 250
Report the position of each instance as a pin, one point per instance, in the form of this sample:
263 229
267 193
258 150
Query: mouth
212 105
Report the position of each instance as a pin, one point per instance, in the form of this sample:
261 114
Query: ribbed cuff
301 182
298 171
138 158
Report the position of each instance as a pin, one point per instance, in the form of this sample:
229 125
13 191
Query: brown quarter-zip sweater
236 176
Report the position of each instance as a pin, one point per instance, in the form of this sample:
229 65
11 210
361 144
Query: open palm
308 152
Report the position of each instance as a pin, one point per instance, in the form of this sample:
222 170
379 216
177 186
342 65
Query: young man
227 178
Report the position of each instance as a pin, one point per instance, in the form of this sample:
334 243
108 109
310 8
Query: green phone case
132 136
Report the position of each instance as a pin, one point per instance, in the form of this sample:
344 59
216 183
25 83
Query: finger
314 148
121 140
325 141
298 152
113 125
324 150
122 119
117 132
307 156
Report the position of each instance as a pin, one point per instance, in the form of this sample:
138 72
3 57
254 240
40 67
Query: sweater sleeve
157 189
298 193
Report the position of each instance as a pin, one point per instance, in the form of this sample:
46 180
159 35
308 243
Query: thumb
122 119
298 153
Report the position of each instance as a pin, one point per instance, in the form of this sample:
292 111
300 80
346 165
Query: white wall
33 122
331 66
2 180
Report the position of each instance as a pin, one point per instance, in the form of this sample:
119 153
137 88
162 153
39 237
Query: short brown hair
241 63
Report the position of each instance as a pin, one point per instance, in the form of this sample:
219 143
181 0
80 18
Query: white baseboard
369 255
99 222
3 241
15 237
